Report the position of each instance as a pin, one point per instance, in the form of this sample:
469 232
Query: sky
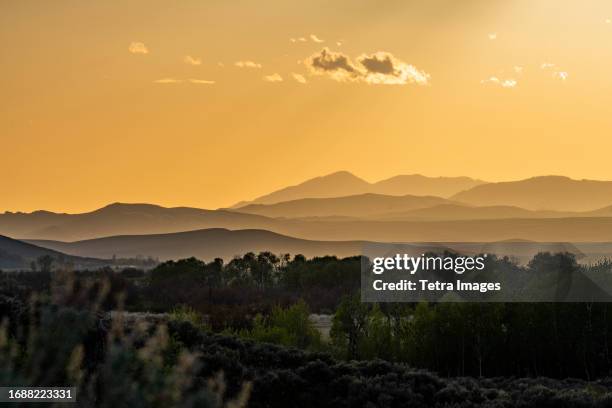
206 103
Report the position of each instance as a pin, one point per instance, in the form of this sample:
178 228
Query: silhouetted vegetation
62 341
258 300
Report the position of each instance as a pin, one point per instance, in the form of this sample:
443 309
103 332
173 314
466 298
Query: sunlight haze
206 103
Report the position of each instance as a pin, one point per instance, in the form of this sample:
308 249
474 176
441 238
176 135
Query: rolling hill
212 243
541 193
123 219
363 205
204 244
143 220
16 254
343 183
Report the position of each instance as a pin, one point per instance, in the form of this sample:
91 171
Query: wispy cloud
492 36
504 83
518 69
192 60
316 39
169 81
247 64
273 78
378 68
299 78
138 48
556 72
202 81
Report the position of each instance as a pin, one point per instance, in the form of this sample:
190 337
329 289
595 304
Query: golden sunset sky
204 103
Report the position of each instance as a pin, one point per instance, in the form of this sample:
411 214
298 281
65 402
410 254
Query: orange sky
85 121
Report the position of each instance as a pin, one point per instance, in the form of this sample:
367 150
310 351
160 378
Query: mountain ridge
551 192
16 254
343 183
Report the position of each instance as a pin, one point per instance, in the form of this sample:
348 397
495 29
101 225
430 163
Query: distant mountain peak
344 183
551 192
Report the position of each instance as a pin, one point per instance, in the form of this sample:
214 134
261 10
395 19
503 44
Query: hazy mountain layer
343 183
204 244
139 220
542 193
363 205
122 219
16 254
212 243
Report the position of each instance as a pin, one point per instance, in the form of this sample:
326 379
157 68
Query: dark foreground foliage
64 341
283 377
257 296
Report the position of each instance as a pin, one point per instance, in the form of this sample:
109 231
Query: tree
349 325
45 263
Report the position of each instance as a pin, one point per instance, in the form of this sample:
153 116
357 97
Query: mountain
212 243
337 184
343 183
362 205
16 254
462 224
123 219
204 244
541 193
417 184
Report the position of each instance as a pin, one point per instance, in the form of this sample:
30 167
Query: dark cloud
379 63
377 68
329 61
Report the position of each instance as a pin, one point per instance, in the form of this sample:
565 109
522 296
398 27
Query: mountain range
542 193
343 183
204 244
362 205
123 219
335 216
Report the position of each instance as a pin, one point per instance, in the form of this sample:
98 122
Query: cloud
378 68
273 78
247 64
339 43
492 36
191 60
608 21
316 39
504 83
562 75
518 69
337 65
201 81
169 81
299 78
138 48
